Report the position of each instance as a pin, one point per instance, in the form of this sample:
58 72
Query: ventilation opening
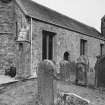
66 56
20 46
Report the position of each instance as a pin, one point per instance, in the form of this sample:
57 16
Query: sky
89 12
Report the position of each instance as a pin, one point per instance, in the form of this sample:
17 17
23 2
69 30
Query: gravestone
71 99
100 71
82 69
45 82
67 70
64 70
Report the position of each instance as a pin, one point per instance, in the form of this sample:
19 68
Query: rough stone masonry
7 36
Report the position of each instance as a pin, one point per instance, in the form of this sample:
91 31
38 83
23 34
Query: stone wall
24 53
7 16
64 40
7 36
12 20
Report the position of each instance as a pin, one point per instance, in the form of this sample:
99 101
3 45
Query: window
101 49
83 46
20 46
16 30
47 45
66 56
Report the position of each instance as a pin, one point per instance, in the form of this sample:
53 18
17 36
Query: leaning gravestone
45 82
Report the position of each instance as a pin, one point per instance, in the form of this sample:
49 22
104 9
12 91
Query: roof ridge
46 14
63 14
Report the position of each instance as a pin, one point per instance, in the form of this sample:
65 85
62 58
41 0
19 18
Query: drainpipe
31 46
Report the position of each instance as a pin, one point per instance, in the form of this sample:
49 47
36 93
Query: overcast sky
89 12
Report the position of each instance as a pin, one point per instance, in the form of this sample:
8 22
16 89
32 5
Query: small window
101 49
83 47
20 46
66 56
16 30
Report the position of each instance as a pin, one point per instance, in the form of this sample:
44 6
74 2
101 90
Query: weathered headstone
45 81
74 99
82 69
100 71
64 70
71 99
67 70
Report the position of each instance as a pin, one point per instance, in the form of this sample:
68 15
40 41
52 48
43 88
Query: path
94 96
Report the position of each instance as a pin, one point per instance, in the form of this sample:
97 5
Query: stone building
30 32
99 67
103 25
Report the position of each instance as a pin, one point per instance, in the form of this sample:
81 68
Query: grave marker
45 82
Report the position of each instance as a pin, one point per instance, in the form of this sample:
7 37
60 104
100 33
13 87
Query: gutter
100 38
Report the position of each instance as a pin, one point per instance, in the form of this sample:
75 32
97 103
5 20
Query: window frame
83 47
47 43
101 49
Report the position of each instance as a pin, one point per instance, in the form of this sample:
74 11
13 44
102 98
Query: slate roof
43 13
